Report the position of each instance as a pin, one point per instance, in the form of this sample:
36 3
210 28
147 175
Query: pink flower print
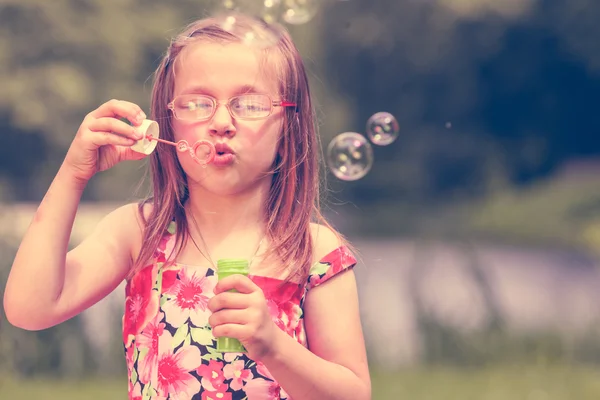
130 361
277 290
188 298
174 376
330 265
261 389
219 394
159 257
169 278
285 315
263 371
339 259
275 313
135 392
141 304
148 340
237 373
212 375
231 357
165 248
292 313
300 334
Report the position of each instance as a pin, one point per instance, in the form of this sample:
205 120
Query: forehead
221 69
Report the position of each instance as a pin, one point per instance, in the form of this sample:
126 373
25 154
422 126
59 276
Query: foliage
484 98
519 381
562 211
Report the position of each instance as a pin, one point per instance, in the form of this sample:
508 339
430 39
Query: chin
226 180
222 185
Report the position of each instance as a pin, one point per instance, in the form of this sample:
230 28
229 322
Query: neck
220 216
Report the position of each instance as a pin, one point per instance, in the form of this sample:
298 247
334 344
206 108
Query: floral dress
169 347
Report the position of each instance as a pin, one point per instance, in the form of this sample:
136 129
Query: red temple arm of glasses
288 104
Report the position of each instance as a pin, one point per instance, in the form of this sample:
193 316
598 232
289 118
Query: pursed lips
222 148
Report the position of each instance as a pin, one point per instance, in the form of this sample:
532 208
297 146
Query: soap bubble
269 10
260 37
299 12
229 4
382 128
203 152
349 156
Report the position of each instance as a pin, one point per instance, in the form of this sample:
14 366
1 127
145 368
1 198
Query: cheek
267 135
265 149
184 131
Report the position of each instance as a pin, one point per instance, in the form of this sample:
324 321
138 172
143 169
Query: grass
551 211
490 383
42 389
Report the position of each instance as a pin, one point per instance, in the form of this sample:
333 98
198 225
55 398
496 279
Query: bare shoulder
125 224
325 240
136 246
96 266
332 313
122 220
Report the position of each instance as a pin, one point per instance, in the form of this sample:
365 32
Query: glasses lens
193 107
251 106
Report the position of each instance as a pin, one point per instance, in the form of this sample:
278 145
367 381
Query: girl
296 313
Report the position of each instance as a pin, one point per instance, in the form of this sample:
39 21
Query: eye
198 104
194 104
252 103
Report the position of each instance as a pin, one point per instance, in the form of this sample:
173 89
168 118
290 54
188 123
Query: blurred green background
479 228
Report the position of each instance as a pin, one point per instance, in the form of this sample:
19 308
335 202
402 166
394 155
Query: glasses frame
216 104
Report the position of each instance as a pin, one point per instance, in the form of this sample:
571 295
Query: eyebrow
240 90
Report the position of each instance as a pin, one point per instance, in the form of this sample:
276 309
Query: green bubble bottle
225 268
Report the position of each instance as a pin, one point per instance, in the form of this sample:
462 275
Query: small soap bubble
349 156
229 4
228 23
270 10
203 152
297 12
257 36
448 125
382 128
182 146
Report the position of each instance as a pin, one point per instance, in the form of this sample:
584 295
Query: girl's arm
336 365
46 286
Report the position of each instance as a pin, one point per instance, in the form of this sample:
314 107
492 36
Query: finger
236 331
114 125
228 300
105 138
238 282
227 316
120 109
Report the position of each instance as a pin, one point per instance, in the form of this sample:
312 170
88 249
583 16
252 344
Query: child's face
224 71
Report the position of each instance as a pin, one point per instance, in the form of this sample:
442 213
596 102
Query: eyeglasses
194 107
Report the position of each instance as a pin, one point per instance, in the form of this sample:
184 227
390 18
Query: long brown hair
293 200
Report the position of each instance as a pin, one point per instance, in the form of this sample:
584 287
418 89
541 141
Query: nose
221 123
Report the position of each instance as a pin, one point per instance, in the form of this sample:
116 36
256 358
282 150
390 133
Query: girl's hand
103 140
243 315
